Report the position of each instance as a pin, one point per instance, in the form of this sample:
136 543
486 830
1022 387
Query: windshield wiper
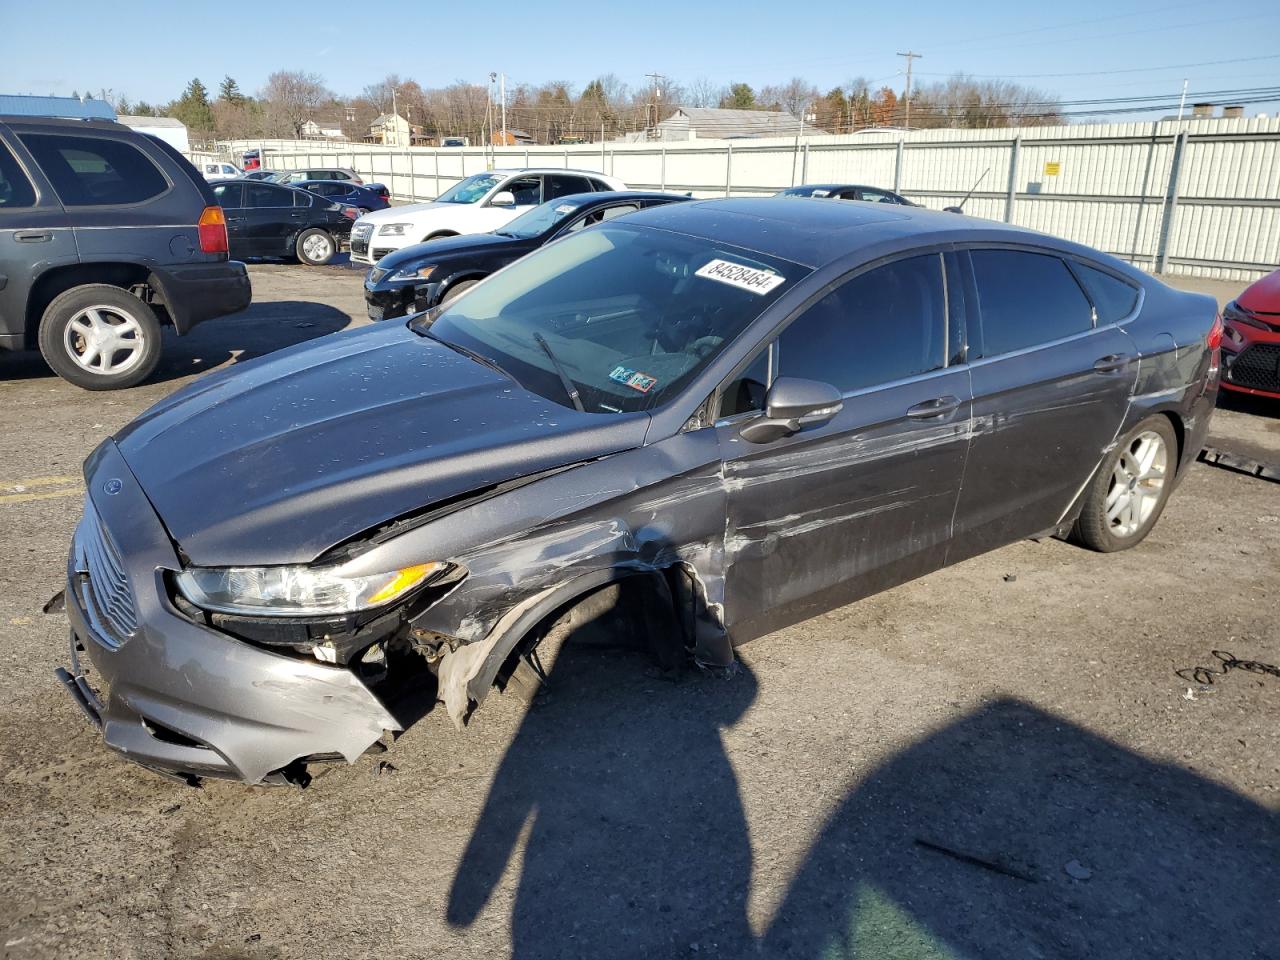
479 358
568 384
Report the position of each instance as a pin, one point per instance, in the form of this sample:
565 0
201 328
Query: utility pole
1183 102
655 97
395 118
907 96
502 92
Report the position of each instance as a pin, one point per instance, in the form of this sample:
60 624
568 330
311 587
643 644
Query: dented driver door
843 509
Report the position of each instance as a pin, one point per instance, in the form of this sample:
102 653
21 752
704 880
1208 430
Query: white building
171 131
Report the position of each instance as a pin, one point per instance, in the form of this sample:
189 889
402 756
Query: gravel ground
997 760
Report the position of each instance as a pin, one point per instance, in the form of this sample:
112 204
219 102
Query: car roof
813 232
573 170
834 186
615 196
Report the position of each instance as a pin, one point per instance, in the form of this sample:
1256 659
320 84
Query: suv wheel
100 337
315 247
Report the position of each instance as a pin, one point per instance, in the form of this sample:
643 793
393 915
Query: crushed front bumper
177 696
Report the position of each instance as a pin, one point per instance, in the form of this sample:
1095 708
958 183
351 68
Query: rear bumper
197 292
177 696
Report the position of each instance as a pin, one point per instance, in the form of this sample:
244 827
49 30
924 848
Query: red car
1251 339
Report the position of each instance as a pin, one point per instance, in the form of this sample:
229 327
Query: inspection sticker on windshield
633 379
744 278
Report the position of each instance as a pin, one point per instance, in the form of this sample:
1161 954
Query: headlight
1238 314
412 273
297 591
393 229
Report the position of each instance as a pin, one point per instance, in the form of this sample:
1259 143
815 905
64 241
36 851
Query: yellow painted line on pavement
18 491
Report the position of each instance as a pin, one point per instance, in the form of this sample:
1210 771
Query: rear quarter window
15 189
1113 297
94 171
1026 299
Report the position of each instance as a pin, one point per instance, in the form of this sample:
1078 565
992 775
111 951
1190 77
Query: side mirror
952 210
503 198
791 405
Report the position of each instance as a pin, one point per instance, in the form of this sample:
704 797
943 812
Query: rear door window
1026 299
229 195
1113 298
562 185
15 189
265 195
883 325
93 171
301 198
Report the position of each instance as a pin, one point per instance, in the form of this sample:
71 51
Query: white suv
478 204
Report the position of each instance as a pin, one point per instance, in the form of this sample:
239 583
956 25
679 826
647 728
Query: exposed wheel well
128 276
636 607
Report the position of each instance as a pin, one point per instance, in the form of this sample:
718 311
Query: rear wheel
315 247
1127 496
100 337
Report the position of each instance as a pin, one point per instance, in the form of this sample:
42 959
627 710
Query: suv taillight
1213 339
213 231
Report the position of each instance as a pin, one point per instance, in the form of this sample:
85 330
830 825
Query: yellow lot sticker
39 488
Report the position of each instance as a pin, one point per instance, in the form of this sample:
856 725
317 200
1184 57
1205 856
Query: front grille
106 594
1257 367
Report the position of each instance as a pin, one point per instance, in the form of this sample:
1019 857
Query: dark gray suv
105 235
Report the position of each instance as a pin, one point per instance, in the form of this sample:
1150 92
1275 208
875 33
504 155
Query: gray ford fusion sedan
743 412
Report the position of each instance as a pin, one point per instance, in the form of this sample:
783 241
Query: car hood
281 459
410 210
1263 295
467 245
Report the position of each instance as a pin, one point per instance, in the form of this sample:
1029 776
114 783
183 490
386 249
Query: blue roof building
70 107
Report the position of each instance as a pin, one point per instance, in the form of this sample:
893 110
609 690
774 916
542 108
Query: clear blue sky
1100 48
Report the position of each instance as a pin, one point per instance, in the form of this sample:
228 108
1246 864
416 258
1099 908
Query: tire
1128 494
315 247
457 290
100 337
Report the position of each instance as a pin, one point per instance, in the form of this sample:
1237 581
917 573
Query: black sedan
268 220
365 197
847 191
418 277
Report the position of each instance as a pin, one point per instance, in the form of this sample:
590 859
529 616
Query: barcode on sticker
744 278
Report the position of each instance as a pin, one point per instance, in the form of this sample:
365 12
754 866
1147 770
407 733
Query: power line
1100 73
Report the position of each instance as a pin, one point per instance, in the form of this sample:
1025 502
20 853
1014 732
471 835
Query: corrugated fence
1198 197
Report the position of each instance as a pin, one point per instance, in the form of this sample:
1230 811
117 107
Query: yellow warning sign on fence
1052 168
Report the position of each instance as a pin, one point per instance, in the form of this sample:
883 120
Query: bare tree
291 96
705 93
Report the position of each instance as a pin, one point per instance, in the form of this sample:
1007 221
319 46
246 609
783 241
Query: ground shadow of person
637 840
1076 847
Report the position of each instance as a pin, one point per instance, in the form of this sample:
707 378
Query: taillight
357 181
212 227
351 212
1213 339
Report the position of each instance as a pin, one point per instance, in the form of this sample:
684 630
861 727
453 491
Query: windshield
630 314
469 190
806 192
540 219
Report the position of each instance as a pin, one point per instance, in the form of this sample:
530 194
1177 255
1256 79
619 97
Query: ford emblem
112 486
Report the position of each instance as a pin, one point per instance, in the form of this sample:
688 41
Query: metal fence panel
1106 185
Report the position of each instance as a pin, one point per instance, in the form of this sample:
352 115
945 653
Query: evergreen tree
193 108
739 97
229 91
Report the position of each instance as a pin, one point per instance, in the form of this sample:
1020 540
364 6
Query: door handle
938 407
33 236
1112 362
235 219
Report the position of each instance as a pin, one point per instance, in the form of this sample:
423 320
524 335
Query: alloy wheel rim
1137 482
316 248
104 340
